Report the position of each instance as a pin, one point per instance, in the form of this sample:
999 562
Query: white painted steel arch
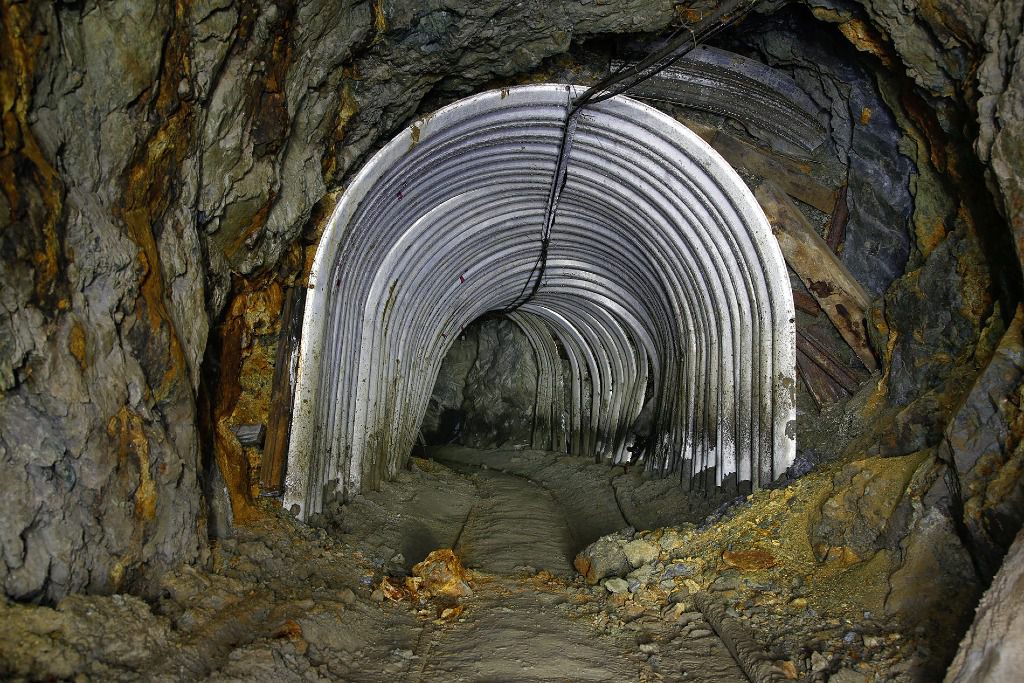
662 271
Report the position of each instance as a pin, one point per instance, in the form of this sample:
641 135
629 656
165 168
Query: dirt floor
343 598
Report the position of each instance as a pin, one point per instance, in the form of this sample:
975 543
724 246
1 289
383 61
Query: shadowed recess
663 285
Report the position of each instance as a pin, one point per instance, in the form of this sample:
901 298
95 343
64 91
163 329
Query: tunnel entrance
663 279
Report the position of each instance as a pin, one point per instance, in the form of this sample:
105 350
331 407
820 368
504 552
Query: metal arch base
663 280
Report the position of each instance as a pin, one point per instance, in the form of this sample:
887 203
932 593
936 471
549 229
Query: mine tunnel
511 341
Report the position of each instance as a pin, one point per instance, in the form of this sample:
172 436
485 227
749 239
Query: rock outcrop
993 649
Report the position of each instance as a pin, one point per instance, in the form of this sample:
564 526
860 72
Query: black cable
681 42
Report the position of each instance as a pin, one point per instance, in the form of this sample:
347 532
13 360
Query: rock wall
486 390
993 649
165 165
157 160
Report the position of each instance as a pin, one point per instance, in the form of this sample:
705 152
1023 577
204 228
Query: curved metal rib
662 271
732 85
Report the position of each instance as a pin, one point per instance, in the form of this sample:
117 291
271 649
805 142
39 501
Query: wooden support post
275 451
824 388
819 354
838 293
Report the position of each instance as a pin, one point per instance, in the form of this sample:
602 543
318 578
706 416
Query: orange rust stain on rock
866 39
228 451
255 225
347 110
77 344
865 116
924 118
244 384
145 196
128 427
20 155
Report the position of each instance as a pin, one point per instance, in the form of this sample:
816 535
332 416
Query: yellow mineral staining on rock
443 575
748 560
77 345
127 427
22 161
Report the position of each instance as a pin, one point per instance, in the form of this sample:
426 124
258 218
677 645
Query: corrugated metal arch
662 268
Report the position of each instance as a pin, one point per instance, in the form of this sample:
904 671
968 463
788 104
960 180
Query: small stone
377 595
639 553
848 676
616 585
726 582
787 668
676 569
679 595
443 574
649 648
601 559
687 618
819 662
700 633
873 641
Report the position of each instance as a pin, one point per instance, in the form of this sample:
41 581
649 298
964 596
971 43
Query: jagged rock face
486 389
157 158
993 649
103 293
149 151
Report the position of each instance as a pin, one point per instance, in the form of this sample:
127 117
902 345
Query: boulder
983 442
443 575
859 517
640 552
603 558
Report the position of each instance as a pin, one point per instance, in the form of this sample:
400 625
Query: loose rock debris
285 601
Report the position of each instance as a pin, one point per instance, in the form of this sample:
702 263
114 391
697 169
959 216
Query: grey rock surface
486 390
143 180
993 649
983 448
151 178
864 136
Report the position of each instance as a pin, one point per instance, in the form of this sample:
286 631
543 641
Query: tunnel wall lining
662 268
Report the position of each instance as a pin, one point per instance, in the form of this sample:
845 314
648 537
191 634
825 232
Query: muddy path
286 601
530 619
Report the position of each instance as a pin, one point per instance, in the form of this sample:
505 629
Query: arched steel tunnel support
662 269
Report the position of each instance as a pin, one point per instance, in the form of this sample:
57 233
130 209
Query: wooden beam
793 177
806 303
835 234
275 452
838 293
822 388
821 356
